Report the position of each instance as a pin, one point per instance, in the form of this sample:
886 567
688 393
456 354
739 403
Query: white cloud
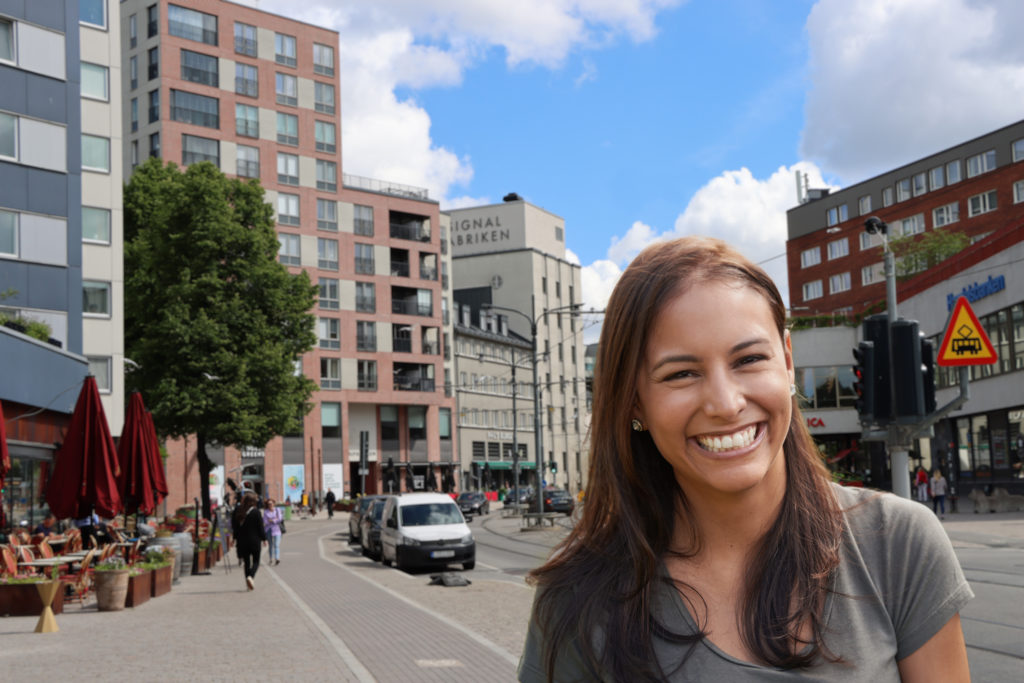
894 81
747 212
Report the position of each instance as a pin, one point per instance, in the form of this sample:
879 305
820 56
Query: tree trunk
205 465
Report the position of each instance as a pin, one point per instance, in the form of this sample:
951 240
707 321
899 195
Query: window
1016 149
810 257
330 333
288 129
953 172
944 215
7 52
937 178
245 39
330 373
154 106
981 163
920 183
133 31
247 120
199 68
95 81
8 136
133 113
8 233
327 214
364 258
981 203
99 367
284 49
247 80
325 141
323 59
191 24
327 253
95 224
152 21
366 335
287 88
153 59
837 214
887 196
329 293
363 220
95 298
154 145
1018 192
326 175
135 154
903 190
323 97
198 110
366 297
367 375
864 205
839 283
133 72
247 161
838 248
290 251
871 274
287 209
910 226
93 12
195 149
812 290
287 169
95 153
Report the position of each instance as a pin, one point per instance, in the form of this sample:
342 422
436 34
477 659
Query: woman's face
270 504
714 390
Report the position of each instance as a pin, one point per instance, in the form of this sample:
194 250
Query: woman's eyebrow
688 358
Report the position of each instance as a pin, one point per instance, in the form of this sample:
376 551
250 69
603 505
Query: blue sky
640 120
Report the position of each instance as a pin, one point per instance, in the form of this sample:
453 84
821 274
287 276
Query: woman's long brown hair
595 592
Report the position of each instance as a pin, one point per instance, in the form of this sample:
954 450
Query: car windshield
377 510
431 513
558 494
364 503
467 496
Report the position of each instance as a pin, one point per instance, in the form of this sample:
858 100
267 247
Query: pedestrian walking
939 488
329 501
273 525
713 545
247 527
921 480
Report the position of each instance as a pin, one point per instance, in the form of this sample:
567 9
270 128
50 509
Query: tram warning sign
965 341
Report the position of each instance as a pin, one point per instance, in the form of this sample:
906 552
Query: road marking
496 649
346 654
438 663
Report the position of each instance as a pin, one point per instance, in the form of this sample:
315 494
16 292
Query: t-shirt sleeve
925 585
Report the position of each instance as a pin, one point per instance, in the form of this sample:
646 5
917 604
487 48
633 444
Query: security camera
875 225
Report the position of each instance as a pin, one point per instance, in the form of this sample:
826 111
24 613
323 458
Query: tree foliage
213 322
915 255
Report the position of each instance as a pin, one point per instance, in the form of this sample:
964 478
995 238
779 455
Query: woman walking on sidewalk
939 487
273 524
247 526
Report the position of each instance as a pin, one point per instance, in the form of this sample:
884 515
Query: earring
792 390
637 425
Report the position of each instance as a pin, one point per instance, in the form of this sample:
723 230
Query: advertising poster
294 482
217 485
333 479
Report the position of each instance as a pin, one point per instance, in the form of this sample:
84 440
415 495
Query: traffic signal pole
899 448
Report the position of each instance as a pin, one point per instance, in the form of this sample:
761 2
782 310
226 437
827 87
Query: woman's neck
727 525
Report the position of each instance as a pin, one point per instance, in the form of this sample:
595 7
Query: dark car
525 495
369 529
356 516
558 500
473 502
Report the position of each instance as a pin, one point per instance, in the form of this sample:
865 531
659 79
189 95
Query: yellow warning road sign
965 341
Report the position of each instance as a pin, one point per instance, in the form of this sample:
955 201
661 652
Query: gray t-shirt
898 583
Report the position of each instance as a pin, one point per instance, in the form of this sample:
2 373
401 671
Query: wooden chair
8 562
12 540
77 584
45 550
106 552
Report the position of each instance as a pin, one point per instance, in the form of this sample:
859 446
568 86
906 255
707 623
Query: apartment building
257 94
510 259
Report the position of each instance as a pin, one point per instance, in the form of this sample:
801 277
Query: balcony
411 307
428 273
401 344
431 348
403 383
399 269
382 186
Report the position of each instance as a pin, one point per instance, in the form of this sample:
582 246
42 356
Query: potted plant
161 562
202 559
111 581
140 585
20 596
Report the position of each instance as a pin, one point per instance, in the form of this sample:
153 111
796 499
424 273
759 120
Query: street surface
328 611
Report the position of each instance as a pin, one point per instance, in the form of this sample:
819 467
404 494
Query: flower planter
22 600
139 588
202 561
111 589
161 583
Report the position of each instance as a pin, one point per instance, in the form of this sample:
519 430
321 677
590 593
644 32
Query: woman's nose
723 395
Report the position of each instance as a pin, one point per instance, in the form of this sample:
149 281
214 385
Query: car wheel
384 560
466 566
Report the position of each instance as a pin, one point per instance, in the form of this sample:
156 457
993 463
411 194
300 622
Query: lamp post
515 416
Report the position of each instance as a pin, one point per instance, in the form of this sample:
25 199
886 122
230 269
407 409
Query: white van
425 529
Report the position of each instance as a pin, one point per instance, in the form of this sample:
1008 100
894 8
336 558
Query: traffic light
876 331
864 384
907 372
554 466
928 374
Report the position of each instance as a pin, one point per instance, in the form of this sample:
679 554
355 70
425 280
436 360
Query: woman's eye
747 360
680 374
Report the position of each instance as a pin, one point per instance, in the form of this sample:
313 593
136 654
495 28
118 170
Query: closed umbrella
156 465
137 482
85 470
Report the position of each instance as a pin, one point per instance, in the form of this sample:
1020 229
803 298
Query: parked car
425 529
356 516
558 500
525 495
369 528
473 501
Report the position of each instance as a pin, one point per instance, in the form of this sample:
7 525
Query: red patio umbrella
138 485
85 470
156 463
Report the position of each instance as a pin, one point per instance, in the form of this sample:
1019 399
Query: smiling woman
713 545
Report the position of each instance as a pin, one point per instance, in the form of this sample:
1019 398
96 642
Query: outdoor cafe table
57 540
50 561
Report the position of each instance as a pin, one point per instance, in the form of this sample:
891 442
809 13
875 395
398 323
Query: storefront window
963 428
1017 325
1016 442
981 455
23 497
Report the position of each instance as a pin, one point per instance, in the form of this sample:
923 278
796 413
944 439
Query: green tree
914 255
213 322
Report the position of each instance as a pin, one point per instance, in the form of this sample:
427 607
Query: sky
644 120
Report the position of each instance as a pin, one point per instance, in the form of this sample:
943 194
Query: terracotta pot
202 561
111 589
139 588
161 583
22 600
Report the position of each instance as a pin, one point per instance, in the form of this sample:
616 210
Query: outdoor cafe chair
78 583
8 562
45 551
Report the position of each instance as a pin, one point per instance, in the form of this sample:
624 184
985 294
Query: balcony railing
247 169
247 86
399 269
366 304
413 384
245 46
427 273
364 265
363 226
367 382
383 186
411 308
401 344
431 348
417 233
366 342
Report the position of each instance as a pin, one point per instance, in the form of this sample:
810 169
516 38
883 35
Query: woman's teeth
719 444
